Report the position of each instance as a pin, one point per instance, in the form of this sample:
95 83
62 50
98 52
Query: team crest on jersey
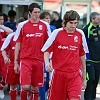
40 27
75 38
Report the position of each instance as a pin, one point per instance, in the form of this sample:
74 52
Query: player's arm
17 50
6 59
5 48
46 58
83 62
6 29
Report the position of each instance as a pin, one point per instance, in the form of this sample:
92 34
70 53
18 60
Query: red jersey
3 67
67 49
9 46
3 35
32 37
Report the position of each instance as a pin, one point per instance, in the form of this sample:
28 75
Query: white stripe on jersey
7 41
83 40
1 30
19 29
51 39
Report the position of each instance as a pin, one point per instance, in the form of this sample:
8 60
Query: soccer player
45 16
4 31
31 36
68 60
7 49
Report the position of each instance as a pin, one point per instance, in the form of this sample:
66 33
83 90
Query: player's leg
58 89
3 71
42 93
2 84
12 79
74 85
13 92
37 78
24 92
34 93
25 78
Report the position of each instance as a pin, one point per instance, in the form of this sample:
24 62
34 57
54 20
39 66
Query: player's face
34 15
47 19
71 25
1 20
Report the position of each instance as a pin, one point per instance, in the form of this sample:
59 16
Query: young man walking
31 36
68 60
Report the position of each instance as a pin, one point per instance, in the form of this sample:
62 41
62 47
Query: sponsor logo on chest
70 47
34 35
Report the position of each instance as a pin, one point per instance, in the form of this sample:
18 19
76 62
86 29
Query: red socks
2 83
13 94
23 95
34 95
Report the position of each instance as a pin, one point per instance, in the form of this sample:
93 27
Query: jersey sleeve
20 37
50 49
7 41
83 41
18 31
50 40
81 51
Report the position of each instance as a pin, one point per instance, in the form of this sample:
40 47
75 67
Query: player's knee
13 87
25 88
35 90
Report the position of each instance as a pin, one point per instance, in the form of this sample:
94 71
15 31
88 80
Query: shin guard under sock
23 95
34 95
13 94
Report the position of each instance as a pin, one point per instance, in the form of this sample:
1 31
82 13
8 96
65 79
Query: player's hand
84 84
49 82
7 60
48 67
16 67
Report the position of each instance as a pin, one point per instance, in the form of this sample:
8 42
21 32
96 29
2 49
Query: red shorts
12 78
31 72
3 67
65 86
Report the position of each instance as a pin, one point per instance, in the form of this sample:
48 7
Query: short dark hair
11 13
93 15
1 14
21 19
55 12
70 16
44 14
32 6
